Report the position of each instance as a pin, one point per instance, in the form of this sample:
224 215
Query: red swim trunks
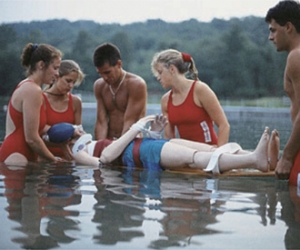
295 171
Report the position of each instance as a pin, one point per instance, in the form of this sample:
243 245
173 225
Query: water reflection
291 216
34 193
78 207
246 123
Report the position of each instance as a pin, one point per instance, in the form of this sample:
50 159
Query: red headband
186 57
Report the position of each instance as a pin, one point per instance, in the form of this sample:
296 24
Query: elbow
224 126
30 142
228 126
33 140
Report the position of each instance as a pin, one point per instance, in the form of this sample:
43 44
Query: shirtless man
284 26
121 96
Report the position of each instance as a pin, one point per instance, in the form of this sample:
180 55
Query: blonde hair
173 57
68 66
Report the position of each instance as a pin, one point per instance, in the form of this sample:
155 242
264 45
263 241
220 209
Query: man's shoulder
134 78
99 84
294 56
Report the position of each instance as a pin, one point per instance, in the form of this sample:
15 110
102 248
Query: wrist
100 163
138 126
154 134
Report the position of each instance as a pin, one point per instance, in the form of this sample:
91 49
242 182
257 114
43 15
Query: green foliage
234 57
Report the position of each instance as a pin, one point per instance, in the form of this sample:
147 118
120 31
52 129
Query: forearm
126 126
82 157
100 131
292 146
115 149
38 146
131 116
169 133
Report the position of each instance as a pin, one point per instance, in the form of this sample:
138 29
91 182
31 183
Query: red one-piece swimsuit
15 142
54 117
193 122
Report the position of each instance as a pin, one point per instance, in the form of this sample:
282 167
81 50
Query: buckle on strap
136 152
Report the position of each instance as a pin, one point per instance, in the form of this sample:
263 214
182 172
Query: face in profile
52 71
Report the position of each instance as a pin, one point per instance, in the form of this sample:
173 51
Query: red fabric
186 57
100 146
15 142
193 122
54 117
295 171
136 152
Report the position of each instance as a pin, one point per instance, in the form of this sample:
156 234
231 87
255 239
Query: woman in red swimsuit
190 106
26 117
61 105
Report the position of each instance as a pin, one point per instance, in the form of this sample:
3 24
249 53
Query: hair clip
34 47
186 57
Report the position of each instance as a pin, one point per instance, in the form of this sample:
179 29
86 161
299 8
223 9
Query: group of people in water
123 135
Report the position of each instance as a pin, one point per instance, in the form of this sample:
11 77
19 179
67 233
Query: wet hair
106 53
285 11
68 66
34 53
173 57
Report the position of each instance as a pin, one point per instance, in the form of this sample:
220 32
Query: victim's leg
203 147
273 150
174 155
257 159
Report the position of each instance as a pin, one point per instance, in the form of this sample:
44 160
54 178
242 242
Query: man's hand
283 169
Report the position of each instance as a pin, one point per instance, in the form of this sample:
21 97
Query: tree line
234 57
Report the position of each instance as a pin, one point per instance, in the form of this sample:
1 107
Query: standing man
284 26
121 96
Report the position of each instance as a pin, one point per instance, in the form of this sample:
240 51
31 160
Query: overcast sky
128 11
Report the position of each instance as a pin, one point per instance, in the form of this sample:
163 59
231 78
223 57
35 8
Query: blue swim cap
60 132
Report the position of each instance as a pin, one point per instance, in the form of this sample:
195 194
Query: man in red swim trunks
284 29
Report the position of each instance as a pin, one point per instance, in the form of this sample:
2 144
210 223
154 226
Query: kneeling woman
168 154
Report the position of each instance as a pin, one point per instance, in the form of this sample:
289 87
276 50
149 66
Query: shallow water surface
77 207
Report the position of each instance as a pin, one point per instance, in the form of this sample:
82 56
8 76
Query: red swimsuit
193 122
54 117
15 142
295 171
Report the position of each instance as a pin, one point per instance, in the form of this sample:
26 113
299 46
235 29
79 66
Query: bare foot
273 149
261 151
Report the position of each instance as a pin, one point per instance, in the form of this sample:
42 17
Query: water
77 207
247 123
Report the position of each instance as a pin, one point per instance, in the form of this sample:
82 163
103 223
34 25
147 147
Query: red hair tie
186 57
